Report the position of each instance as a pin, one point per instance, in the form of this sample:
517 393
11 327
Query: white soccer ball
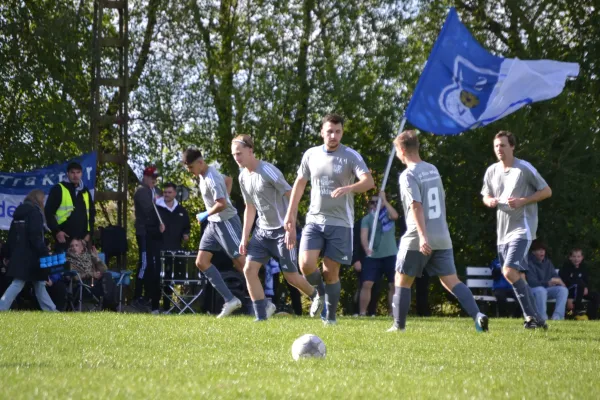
308 346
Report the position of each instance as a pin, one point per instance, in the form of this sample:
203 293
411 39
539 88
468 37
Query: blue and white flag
463 86
15 186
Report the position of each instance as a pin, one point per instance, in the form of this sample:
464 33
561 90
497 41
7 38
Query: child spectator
575 276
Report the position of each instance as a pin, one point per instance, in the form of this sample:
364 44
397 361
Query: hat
74 165
151 171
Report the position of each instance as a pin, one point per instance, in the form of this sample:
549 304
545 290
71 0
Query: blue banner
15 186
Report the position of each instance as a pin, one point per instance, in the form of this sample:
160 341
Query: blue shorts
334 241
374 268
413 262
223 235
266 243
514 254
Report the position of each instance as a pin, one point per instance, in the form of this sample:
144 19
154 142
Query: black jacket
146 220
26 244
574 276
177 224
76 226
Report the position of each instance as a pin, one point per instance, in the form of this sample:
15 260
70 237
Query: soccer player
223 230
513 187
267 193
426 245
331 169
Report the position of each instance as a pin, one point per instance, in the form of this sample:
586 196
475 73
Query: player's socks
316 279
314 294
332 298
260 308
216 280
466 300
400 306
525 298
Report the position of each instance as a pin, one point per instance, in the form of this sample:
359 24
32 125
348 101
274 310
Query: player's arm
220 205
490 201
249 215
289 222
364 184
228 183
416 209
534 198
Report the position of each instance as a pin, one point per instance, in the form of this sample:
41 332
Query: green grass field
106 355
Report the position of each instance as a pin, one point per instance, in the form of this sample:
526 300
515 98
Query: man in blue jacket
545 283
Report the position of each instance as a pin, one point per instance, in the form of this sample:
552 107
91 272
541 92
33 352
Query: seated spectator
25 247
575 276
545 283
89 266
502 291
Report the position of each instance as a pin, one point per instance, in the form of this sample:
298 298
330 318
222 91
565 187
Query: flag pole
383 183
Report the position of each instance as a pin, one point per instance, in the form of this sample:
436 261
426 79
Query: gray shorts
266 243
514 254
334 241
413 262
223 235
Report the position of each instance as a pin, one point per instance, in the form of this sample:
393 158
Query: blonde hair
244 140
36 196
408 141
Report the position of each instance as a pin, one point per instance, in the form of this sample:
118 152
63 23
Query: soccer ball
308 346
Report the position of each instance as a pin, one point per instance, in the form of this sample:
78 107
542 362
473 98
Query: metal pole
383 183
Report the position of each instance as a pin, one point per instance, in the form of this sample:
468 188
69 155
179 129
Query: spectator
575 276
148 234
25 247
545 283
381 260
177 231
70 210
90 267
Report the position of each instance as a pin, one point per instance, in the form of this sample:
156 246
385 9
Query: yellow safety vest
66 206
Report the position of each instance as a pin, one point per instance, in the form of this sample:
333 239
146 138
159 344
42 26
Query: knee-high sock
216 280
316 279
525 298
260 308
466 300
332 298
400 306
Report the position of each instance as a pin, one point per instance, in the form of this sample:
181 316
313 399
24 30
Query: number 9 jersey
422 183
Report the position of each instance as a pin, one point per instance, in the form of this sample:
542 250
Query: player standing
514 187
426 245
332 169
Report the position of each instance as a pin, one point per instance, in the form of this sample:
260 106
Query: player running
514 187
267 193
332 169
426 245
223 230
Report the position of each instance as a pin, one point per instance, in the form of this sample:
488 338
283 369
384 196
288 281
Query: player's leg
442 264
209 244
229 236
311 244
514 262
409 264
337 251
257 256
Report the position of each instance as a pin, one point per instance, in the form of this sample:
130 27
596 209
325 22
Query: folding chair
77 289
122 278
182 283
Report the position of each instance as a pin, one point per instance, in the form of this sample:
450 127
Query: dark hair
244 140
537 244
190 155
74 165
408 141
333 118
170 185
574 249
512 140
